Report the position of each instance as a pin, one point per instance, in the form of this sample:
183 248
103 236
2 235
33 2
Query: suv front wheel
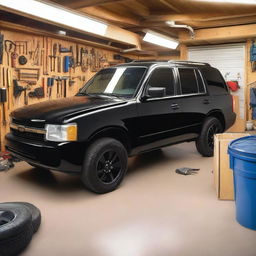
105 165
205 142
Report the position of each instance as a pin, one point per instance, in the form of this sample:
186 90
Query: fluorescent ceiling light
57 14
229 1
158 39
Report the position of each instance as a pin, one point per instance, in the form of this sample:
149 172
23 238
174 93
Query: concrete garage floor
155 212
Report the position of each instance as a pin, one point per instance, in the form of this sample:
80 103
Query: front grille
28 123
28 135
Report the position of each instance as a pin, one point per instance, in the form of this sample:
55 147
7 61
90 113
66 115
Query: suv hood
56 111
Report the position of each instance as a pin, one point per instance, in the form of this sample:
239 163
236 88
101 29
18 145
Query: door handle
205 101
175 106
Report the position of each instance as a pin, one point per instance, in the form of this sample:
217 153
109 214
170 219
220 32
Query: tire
16 229
34 211
105 164
205 142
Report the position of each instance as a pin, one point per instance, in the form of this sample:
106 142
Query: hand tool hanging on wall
10 47
3 98
14 57
37 93
53 57
50 83
34 73
1 48
36 55
64 50
8 77
59 80
22 60
22 47
45 67
253 56
59 64
17 89
66 64
65 78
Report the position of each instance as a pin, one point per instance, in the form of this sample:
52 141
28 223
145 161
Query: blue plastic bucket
242 155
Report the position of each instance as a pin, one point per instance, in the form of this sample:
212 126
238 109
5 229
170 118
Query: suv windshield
118 81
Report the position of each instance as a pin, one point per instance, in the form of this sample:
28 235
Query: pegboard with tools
38 68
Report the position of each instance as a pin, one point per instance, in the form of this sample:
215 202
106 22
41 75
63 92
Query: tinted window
188 81
200 83
162 77
120 81
215 81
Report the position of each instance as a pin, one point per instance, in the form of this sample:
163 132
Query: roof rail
189 62
150 61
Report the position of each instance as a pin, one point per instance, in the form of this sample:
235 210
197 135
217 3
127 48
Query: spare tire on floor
34 211
16 229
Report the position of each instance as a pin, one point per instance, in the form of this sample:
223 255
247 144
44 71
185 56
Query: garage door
229 59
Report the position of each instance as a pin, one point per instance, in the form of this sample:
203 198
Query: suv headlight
66 132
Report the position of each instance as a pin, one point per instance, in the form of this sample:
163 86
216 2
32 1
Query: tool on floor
3 99
186 171
1 48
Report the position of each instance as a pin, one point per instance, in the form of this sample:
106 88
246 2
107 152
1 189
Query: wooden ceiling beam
222 22
170 6
188 17
223 34
104 14
87 3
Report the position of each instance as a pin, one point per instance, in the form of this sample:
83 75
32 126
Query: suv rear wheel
105 164
205 142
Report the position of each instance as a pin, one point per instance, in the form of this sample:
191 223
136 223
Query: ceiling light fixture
229 1
56 14
159 39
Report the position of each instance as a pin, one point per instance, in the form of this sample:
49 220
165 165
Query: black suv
122 111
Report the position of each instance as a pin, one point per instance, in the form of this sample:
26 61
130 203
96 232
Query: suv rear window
215 81
188 81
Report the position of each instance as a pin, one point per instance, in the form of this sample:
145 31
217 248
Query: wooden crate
223 175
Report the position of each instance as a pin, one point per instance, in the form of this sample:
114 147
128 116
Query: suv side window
215 81
188 81
163 77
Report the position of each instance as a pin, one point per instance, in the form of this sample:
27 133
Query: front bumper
64 157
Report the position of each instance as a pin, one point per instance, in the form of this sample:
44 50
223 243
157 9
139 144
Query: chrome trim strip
22 128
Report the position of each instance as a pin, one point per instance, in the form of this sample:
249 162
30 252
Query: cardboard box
223 175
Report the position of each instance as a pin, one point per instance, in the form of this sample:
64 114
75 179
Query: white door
229 59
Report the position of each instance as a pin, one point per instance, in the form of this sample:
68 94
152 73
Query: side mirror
156 92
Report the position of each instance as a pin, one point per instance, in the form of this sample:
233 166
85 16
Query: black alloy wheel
214 129
109 166
105 164
205 141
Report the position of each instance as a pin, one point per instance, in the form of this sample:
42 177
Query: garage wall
230 59
44 45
